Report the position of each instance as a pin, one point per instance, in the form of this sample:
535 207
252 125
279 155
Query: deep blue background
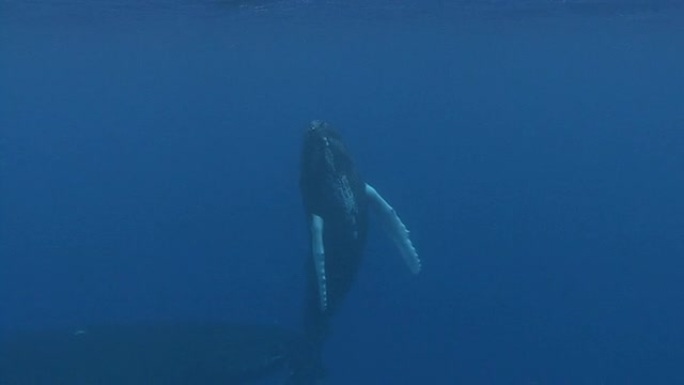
149 164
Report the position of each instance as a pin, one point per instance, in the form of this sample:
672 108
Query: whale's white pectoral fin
395 228
318 251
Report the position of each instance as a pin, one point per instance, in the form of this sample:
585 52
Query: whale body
337 202
334 198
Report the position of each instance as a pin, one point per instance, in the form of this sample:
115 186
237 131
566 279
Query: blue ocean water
149 162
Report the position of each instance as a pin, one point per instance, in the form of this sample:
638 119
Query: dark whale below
154 354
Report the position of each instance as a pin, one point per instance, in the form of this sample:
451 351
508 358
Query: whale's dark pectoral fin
318 253
395 228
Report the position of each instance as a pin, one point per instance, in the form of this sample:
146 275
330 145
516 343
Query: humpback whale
337 201
153 354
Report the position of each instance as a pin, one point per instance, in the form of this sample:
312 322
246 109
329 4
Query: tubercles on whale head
321 133
321 136
317 124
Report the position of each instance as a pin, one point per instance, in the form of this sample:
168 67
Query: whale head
324 154
323 144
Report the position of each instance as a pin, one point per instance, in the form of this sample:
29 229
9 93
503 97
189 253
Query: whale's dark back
333 189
